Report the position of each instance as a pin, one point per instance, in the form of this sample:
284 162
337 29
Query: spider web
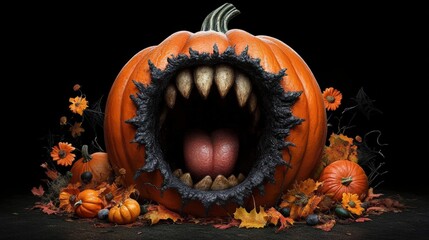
364 104
95 118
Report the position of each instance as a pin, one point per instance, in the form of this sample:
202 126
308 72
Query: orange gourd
125 212
97 165
88 203
344 176
285 130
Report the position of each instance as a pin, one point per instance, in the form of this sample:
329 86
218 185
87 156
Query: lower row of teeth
207 183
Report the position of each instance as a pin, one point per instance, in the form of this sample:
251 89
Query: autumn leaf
301 199
363 219
52 174
48 208
38 191
159 212
252 219
327 226
274 217
371 195
340 147
233 223
310 206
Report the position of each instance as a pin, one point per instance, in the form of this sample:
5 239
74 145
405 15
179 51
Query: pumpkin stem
346 180
78 203
219 18
86 156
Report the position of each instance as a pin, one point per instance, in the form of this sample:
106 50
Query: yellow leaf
252 219
310 206
158 212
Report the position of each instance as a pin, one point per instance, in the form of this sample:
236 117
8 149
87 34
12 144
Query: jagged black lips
276 107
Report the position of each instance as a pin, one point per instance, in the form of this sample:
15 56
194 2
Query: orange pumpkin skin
274 55
344 176
125 212
88 203
96 163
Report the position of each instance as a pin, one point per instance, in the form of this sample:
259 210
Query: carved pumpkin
344 176
88 203
93 167
125 212
205 122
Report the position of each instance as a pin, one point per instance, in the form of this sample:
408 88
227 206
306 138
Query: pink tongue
212 154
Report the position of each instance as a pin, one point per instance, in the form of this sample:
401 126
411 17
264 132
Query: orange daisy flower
63 154
332 98
78 104
352 203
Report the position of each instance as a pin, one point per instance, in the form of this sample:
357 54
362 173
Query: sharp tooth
220 183
240 177
203 77
204 184
170 95
178 173
242 88
184 82
252 102
187 179
232 180
224 79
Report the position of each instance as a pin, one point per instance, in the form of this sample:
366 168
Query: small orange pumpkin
95 165
88 203
125 212
344 176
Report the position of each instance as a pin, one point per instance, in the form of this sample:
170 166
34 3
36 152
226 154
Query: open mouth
214 125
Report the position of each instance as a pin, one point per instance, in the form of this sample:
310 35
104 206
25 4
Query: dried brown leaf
38 191
327 226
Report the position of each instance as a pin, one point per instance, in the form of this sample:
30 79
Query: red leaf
38 191
327 226
233 223
363 219
371 195
48 208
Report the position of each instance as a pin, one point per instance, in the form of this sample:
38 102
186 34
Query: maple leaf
159 212
48 208
327 226
274 217
38 191
232 223
251 219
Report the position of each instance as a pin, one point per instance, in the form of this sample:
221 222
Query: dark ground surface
18 221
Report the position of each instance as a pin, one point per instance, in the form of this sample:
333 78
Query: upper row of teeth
224 76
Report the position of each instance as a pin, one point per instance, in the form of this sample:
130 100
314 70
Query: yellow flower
62 154
332 98
352 203
76 130
78 104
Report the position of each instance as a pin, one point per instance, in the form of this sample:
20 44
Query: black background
384 49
